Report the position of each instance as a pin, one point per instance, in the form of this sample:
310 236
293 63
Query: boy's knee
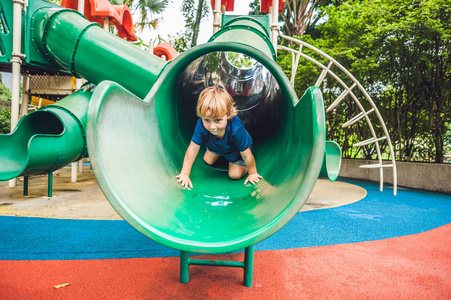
237 173
210 158
208 161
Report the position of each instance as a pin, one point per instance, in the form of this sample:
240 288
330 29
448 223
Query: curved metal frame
296 54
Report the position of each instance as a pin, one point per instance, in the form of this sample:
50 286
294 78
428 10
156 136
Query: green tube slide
137 148
55 135
65 37
140 120
46 140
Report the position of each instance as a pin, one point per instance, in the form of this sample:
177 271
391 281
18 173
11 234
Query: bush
5 121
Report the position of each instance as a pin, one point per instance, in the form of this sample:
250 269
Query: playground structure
136 120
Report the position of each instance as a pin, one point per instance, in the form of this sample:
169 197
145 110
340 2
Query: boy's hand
253 178
184 180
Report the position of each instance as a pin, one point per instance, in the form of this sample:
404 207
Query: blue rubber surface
380 215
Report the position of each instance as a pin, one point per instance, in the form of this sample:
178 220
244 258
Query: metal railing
326 70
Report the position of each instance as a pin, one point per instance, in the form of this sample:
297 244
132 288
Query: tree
146 9
400 50
254 8
5 93
5 121
5 114
193 15
298 16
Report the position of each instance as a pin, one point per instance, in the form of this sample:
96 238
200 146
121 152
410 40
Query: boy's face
216 126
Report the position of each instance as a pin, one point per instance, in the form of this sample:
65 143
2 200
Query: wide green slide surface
137 148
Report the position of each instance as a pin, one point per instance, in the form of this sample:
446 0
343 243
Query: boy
223 134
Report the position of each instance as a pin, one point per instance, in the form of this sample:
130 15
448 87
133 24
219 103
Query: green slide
46 140
55 135
332 161
137 146
141 117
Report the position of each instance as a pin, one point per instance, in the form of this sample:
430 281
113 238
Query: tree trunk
200 5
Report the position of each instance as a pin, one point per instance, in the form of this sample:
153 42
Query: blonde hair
215 102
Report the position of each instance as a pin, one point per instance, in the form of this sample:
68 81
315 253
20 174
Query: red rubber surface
408 267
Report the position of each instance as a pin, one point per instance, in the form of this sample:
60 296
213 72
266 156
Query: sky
172 21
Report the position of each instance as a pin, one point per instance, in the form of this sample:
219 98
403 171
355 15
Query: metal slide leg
50 186
184 266
247 265
25 185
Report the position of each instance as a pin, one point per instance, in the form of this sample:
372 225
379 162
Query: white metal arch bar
348 91
363 114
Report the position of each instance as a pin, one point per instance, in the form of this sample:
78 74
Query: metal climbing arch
347 90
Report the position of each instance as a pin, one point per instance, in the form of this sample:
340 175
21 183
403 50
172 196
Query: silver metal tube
106 24
73 173
25 96
81 6
274 22
217 16
16 61
74 168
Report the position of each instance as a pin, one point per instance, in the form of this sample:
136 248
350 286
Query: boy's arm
249 159
190 156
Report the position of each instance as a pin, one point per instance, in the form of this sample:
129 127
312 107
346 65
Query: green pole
184 266
25 185
50 186
248 265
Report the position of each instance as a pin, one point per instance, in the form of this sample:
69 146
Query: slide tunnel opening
45 123
256 93
14 146
219 214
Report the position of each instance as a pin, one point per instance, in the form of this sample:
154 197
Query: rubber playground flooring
350 241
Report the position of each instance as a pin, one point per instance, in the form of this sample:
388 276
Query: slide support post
50 186
247 265
25 185
184 266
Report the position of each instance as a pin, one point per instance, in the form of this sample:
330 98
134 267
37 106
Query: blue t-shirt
236 139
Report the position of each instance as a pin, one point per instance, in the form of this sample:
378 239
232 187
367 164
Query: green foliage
448 143
254 8
145 46
5 93
298 16
193 12
146 9
5 121
240 60
179 42
400 51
